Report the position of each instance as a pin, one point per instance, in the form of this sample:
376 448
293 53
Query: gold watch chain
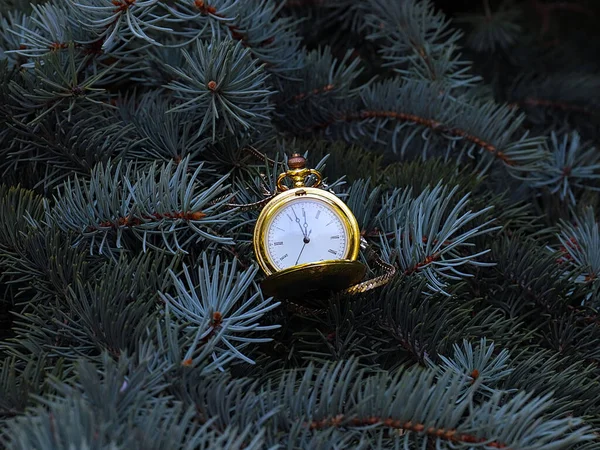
389 269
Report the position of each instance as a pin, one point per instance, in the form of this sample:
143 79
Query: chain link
389 269
254 205
295 308
258 154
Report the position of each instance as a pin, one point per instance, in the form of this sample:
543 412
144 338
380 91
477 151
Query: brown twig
133 221
552 104
440 433
429 123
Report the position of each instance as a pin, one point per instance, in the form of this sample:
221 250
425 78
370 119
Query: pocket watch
306 239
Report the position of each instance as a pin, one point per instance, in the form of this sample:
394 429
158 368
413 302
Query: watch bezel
266 215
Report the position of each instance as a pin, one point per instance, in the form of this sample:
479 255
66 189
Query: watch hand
301 250
298 222
305 224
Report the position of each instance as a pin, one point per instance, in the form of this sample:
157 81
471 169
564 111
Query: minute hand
298 222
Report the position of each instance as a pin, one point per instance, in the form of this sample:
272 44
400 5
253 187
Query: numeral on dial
278 243
333 252
283 257
335 237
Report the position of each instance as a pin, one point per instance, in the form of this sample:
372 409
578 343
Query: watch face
306 230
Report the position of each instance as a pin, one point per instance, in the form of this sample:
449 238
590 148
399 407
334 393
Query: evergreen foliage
139 138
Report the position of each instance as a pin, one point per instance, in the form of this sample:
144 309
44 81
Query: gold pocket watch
306 239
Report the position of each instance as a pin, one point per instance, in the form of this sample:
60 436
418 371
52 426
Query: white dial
306 230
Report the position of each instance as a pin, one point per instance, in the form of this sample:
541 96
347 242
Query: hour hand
298 222
305 224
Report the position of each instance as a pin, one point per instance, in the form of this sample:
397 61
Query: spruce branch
573 165
221 10
432 171
571 383
47 264
154 69
322 74
535 430
431 238
13 28
115 387
576 341
399 113
115 312
66 146
421 324
322 79
340 397
364 200
354 163
255 24
55 27
180 346
223 88
350 162
119 19
81 306
58 80
492 30
217 306
529 277
580 242
487 320
483 369
118 405
563 92
18 382
37 261
561 106
420 392
165 202
49 28
165 136
417 41
20 209
17 6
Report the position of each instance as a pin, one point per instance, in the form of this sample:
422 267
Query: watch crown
297 173
297 161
